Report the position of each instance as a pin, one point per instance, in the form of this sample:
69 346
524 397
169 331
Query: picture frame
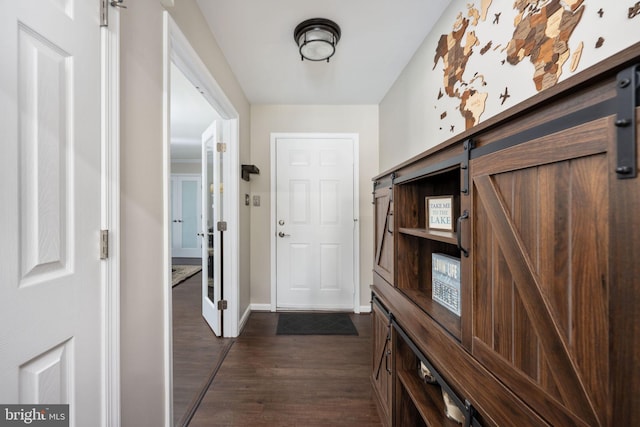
439 212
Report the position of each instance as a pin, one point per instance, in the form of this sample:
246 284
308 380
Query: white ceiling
191 114
379 37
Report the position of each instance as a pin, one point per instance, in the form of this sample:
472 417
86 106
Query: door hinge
104 13
222 225
104 244
221 147
222 304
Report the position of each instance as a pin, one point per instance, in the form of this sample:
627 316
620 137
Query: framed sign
439 213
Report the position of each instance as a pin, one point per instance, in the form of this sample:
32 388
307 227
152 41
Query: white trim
355 138
365 309
231 288
356 222
167 302
245 316
110 216
260 307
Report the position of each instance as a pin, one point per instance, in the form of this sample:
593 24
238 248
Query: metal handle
282 234
118 3
177 220
200 234
464 215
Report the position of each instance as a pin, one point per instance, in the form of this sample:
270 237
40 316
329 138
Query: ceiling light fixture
317 39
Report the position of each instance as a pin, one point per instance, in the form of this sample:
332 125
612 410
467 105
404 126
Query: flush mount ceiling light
317 39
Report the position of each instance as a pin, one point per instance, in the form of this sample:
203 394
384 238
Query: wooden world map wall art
541 33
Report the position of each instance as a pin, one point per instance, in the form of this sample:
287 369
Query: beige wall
267 119
417 113
142 315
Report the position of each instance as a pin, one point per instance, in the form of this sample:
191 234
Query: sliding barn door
540 261
383 233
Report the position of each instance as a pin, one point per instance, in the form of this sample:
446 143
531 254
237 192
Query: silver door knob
282 234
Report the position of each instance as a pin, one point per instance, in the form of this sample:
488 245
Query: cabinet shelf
427 399
448 320
440 236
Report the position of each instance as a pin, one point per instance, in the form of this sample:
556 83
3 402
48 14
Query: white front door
186 220
51 293
211 237
315 224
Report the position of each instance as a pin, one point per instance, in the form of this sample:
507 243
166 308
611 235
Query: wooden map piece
575 57
600 42
634 11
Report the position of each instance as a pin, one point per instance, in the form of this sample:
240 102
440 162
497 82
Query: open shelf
448 320
416 243
440 236
427 399
420 403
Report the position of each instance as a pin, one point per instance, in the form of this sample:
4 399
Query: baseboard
267 307
243 319
365 308
260 307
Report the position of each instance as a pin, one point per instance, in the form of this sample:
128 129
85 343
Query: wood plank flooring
271 380
266 379
196 350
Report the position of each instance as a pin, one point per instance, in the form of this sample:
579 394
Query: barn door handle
465 215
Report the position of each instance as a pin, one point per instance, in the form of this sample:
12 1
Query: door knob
282 234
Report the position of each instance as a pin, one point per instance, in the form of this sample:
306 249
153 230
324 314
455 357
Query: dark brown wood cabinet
382 363
546 231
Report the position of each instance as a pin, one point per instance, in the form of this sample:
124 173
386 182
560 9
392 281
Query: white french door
51 292
315 223
212 179
186 219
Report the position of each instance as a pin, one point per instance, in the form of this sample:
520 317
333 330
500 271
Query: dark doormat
315 324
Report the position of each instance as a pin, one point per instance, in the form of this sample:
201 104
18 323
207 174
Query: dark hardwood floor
266 379
196 350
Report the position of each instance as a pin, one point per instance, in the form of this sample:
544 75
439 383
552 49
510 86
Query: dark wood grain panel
482 253
497 404
535 303
524 215
537 397
589 270
579 141
624 292
383 223
504 295
381 364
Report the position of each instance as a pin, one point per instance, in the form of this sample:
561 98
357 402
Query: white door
51 296
186 220
315 224
211 237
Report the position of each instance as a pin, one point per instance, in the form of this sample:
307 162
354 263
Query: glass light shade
317 38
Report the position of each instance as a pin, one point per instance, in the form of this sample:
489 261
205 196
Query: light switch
256 200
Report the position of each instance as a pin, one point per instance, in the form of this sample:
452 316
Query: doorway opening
207 150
